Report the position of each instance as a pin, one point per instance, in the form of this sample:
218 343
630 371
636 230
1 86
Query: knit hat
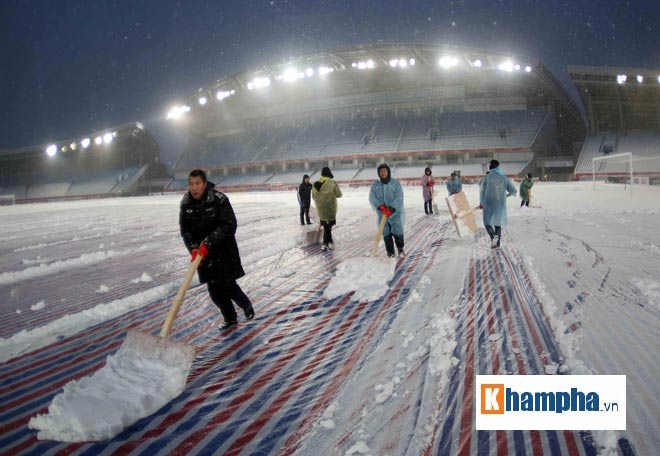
494 164
325 172
529 176
428 171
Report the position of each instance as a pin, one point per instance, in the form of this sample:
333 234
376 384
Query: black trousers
428 206
494 231
523 202
327 231
390 240
304 212
223 292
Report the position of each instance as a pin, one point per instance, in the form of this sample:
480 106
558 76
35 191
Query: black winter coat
305 194
211 220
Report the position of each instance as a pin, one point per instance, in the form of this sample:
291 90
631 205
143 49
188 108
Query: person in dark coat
305 199
427 191
526 190
208 228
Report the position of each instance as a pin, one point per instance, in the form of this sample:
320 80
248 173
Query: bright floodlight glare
222 94
107 138
362 65
51 150
658 79
85 143
250 85
477 63
412 62
176 112
621 78
370 64
258 83
309 72
403 63
73 146
98 140
354 65
448 62
394 63
640 78
507 66
203 100
324 70
528 69
290 75
517 67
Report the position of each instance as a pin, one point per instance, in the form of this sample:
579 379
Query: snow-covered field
387 369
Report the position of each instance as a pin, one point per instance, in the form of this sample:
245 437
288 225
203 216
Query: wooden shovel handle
381 227
174 310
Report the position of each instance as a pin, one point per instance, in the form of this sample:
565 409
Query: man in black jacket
305 199
208 228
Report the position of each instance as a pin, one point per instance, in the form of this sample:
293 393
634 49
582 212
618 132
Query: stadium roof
618 98
373 77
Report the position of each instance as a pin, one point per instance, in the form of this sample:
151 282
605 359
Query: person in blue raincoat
492 199
386 198
454 185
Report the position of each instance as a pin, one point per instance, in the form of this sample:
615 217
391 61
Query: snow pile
368 277
27 340
650 289
143 278
38 306
129 387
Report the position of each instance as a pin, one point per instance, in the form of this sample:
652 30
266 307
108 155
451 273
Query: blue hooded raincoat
492 196
389 193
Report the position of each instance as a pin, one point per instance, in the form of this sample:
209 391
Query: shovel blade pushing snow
312 237
146 373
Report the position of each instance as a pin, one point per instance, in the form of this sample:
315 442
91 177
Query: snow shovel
433 203
379 234
160 348
312 236
145 373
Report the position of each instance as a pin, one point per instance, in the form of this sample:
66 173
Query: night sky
70 67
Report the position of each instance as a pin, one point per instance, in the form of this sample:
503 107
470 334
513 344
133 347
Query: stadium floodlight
222 94
202 100
412 62
73 146
51 150
85 143
325 70
528 69
354 64
362 65
291 75
370 64
477 63
621 78
64 149
640 78
98 140
403 63
394 63
258 83
448 62
176 112
507 66
516 67
107 138
309 72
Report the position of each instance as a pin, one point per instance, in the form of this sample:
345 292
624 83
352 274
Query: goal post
622 156
7 200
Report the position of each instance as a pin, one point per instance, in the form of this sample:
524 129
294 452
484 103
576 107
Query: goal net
7 200
617 168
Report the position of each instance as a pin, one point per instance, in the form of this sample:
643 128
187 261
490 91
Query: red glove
480 206
202 250
387 211
430 184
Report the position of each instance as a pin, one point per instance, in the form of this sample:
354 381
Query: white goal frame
7 198
605 157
